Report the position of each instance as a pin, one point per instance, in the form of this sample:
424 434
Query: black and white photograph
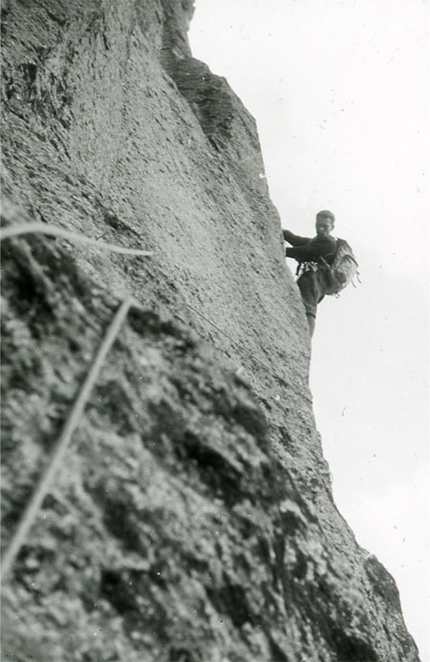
215 331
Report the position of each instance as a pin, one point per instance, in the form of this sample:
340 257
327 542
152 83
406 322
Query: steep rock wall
193 518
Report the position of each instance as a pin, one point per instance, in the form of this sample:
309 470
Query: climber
313 255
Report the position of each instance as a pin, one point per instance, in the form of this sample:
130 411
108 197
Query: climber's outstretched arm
314 249
294 239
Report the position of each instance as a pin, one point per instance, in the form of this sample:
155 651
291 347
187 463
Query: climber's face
324 226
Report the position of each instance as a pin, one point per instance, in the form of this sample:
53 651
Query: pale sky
340 91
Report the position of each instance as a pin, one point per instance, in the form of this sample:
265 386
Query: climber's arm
294 239
314 249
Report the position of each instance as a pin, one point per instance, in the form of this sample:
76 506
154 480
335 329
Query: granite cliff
192 519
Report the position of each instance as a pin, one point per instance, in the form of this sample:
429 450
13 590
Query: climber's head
324 223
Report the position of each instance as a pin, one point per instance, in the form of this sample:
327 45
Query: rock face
192 518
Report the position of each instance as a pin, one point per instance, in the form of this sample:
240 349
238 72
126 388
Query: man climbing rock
313 255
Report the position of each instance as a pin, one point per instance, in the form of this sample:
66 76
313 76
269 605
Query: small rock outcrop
193 517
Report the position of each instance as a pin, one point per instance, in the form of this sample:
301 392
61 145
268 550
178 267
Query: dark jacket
306 249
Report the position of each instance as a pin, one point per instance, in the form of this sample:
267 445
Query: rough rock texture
193 517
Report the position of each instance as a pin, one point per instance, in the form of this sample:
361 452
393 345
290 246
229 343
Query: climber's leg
308 286
311 321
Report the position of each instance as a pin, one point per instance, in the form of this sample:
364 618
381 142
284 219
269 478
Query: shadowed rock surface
193 518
